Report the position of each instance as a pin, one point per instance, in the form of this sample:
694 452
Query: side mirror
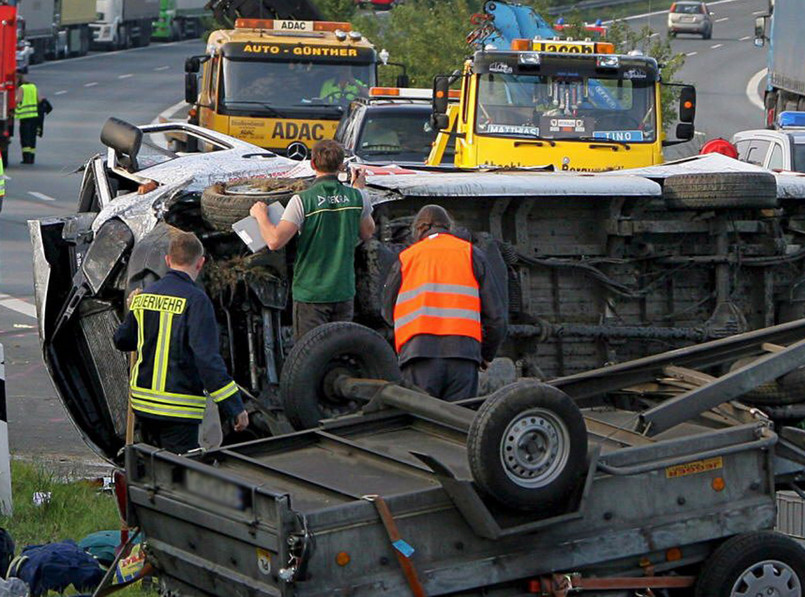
687 104
402 80
192 65
191 88
441 95
439 122
684 131
760 31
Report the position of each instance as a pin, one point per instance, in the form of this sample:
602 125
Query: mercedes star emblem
296 151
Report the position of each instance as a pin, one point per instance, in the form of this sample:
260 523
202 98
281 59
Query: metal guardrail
590 4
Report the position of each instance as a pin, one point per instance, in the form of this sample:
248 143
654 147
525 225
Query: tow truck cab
574 106
282 85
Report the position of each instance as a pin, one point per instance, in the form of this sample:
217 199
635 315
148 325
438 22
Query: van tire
722 190
321 355
222 205
512 423
742 557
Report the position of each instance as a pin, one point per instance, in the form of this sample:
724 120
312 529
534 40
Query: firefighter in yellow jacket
172 326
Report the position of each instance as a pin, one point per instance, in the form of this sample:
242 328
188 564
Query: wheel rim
331 403
769 578
535 448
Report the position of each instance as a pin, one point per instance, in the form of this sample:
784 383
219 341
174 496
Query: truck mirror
760 31
439 122
402 80
441 94
687 104
192 65
684 131
191 88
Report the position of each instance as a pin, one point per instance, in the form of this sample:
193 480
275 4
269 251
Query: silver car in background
690 17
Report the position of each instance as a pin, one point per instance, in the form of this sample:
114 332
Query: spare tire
721 190
527 446
343 348
785 390
224 203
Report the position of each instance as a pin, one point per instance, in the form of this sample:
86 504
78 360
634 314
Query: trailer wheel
223 204
761 563
316 361
527 446
723 190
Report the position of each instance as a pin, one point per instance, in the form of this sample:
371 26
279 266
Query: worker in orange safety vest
447 311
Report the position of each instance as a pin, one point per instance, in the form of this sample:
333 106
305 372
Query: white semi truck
122 24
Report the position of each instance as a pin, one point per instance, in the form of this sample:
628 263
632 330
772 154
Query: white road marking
168 112
9 302
166 67
745 38
92 84
41 196
60 92
691 53
716 46
759 12
722 19
752 89
126 76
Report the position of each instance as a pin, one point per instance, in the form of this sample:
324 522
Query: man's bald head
430 217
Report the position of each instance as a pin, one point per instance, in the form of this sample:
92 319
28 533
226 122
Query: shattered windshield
567 106
294 84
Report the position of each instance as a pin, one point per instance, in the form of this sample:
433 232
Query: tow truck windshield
293 84
567 106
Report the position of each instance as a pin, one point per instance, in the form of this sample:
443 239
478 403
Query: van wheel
223 204
319 358
762 563
723 190
527 446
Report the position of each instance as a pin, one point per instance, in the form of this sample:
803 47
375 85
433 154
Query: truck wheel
223 204
323 354
724 190
527 446
762 563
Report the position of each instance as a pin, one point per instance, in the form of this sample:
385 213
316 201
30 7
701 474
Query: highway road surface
137 85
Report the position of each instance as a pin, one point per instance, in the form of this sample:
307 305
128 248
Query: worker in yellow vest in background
27 115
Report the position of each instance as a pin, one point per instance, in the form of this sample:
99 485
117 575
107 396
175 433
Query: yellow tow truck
280 84
572 105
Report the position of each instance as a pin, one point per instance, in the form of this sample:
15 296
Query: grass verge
75 510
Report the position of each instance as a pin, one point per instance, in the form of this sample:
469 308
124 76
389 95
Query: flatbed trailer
673 489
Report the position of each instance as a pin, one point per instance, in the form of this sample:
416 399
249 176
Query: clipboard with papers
249 231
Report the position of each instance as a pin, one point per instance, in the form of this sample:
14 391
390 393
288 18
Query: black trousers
28 139
308 316
448 379
178 437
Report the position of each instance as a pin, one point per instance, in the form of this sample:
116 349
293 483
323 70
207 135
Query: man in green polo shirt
330 218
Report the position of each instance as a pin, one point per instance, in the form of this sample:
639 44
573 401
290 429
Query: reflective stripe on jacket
439 294
29 106
173 329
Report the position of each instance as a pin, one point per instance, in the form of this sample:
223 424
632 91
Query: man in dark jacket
448 313
171 325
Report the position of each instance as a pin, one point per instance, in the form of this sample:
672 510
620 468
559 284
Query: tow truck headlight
607 61
529 58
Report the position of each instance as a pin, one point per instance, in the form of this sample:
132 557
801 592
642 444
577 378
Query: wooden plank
689 375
